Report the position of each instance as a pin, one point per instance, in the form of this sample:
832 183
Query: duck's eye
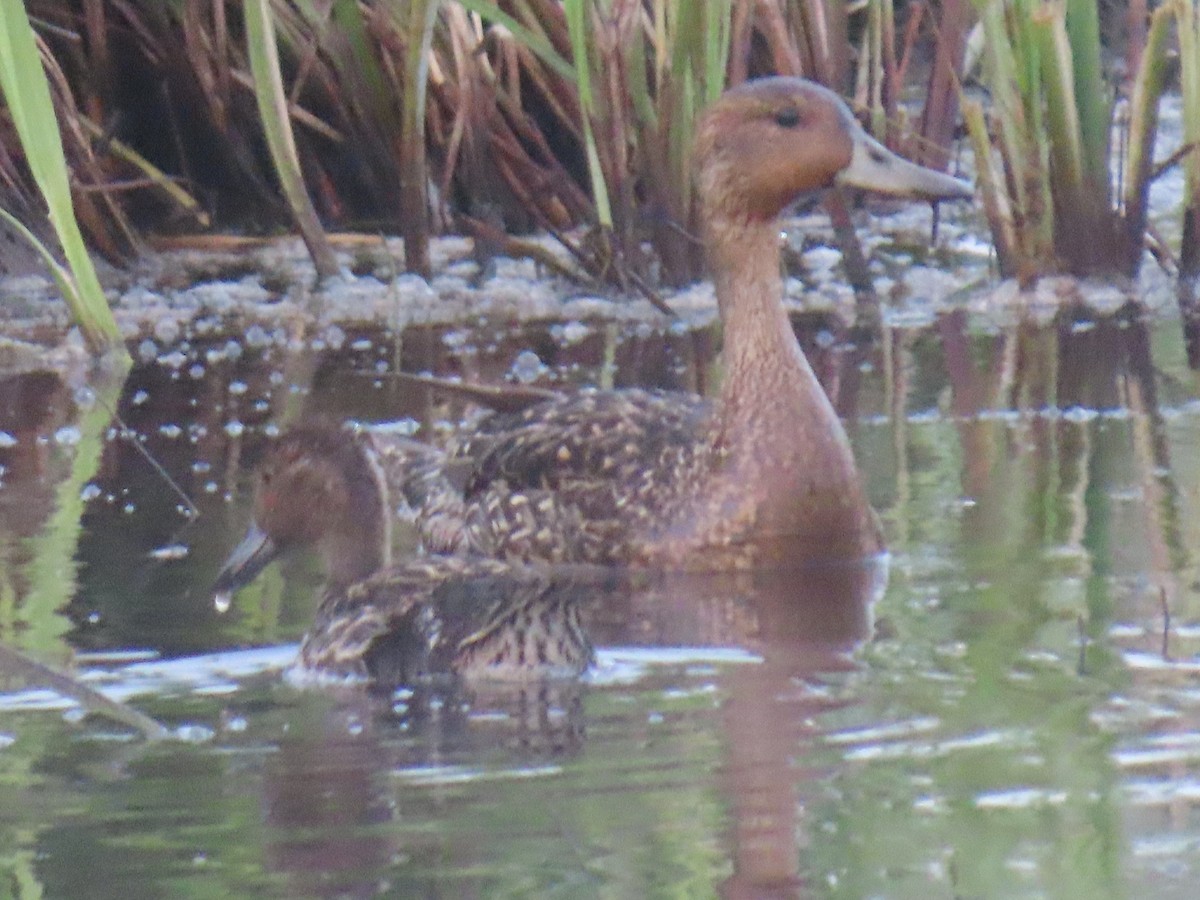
789 117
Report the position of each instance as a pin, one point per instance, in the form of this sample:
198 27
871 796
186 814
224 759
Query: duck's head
320 487
766 142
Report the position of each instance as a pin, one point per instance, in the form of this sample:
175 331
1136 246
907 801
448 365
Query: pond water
1010 710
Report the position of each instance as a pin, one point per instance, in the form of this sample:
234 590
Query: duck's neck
363 544
351 556
786 464
769 395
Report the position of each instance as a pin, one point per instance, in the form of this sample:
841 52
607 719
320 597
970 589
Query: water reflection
801 625
1015 715
33 407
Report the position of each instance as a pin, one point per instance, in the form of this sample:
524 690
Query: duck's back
576 478
445 614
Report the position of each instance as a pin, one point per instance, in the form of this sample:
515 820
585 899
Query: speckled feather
572 479
454 615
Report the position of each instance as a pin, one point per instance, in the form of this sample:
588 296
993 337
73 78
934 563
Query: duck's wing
441 615
609 437
534 630
426 487
560 481
591 434
564 481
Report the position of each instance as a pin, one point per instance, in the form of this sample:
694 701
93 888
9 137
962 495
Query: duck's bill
247 559
874 167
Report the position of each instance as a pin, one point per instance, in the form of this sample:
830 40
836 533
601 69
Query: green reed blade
536 43
277 129
1062 110
1147 90
1091 94
577 29
27 94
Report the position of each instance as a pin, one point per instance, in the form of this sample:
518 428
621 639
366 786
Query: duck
762 476
390 624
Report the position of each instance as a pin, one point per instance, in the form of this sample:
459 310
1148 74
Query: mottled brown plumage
764 475
332 489
761 476
475 618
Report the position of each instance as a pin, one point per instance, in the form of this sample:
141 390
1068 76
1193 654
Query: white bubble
574 332
527 367
194 734
173 360
335 337
169 552
166 330
68 436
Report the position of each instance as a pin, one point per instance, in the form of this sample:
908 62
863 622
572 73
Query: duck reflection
802 624
348 776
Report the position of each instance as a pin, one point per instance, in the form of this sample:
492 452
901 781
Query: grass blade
27 94
273 111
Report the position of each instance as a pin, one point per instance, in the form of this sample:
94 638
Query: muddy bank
257 288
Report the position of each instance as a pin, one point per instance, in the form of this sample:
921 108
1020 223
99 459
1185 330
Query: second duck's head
765 143
318 486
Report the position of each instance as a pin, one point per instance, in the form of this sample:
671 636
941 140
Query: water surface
1008 716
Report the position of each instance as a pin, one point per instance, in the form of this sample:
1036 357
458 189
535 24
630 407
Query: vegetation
272 107
1059 192
27 96
533 113
497 116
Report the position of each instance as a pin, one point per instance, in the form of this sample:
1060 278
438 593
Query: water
1013 715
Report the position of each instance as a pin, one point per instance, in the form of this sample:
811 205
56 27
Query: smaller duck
450 615
325 488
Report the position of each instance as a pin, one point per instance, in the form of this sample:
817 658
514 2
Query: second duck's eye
788 117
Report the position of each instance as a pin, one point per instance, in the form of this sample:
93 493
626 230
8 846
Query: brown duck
762 476
324 488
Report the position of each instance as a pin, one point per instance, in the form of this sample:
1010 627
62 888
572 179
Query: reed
1144 98
549 114
1187 21
1058 194
625 81
273 108
27 95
